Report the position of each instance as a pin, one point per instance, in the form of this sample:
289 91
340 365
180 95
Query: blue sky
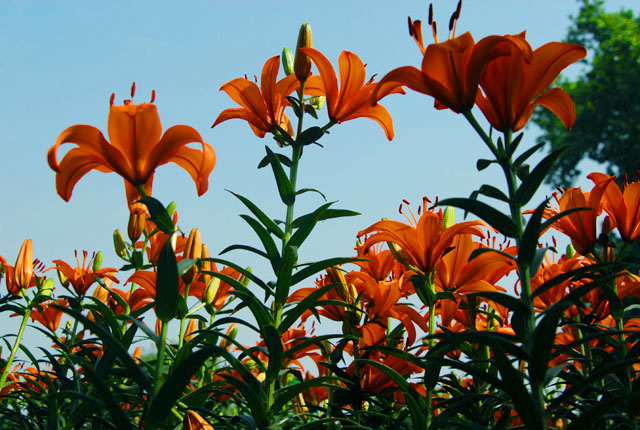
60 61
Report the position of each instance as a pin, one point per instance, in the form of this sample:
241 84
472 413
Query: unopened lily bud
211 291
46 287
193 421
68 325
287 61
571 251
62 278
97 261
337 277
449 217
397 252
119 244
23 270
136 225
302 63
206 265
192 251
245 280
190 330
232 332
171 208
317 102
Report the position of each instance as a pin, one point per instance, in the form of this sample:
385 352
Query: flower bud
97 262
317 102
302 63
287 61
119 244
211 290
449 217
192 251
190 330
193 421
23 270
46 287
171 208
62 278
232 332
206 265
136 225
245 280
571 251
337 277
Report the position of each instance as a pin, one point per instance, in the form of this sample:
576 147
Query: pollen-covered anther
133 90
153 96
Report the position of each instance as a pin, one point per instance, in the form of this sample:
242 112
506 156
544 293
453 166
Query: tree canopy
606 95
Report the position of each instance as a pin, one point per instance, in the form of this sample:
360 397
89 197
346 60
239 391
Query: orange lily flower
49 316
423 241
513 85
580 226
262 108
82 276
137 147
193 421
352 100
457 274
623 207
450 72
549 270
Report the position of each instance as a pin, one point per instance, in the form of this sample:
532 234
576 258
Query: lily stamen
153 96
133 90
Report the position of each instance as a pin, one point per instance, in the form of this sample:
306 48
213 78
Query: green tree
606 95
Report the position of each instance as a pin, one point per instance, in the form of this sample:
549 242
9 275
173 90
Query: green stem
16 345
432 330
162 343
181 333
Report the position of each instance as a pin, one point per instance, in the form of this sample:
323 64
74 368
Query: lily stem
16 345
162 343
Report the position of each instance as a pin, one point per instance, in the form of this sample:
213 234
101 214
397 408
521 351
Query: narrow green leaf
328 214
246 273
266 239
285 394
529 242
184 265
245 248
310 135
319 266
159 214
283 285
312 190
530 184
492 216
307 225
167 284
528 153
287 193
118 416
479 251
514 144
491 191
274 346
292 315
175 384
262 217
482 164
283 159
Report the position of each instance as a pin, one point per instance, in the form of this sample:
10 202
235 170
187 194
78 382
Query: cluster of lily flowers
376 298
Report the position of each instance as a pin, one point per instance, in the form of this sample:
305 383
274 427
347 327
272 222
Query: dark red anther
419 210
458 9
406 202
411 33
126 102
400 208
153 96
426 199
555 243
255 78
133 89
430 13
452 20
112 98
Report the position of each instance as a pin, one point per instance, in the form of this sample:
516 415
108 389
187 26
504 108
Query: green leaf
492 216
311 111
530 184
159 214
245 248
307 190
174 386
262 217
514 144
267 241
310 135
184 265
292 315
482 164
285 394
118 417
283 159
246 273
306 226
529 242
328 214
491 191
283 285
528 153
167 284
479 251
287 193
274 347
319 266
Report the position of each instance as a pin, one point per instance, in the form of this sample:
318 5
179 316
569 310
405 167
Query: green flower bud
97 262
46 287
571 252
119 244
317 102
211 290
287 61
449 217
243 279
171 208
